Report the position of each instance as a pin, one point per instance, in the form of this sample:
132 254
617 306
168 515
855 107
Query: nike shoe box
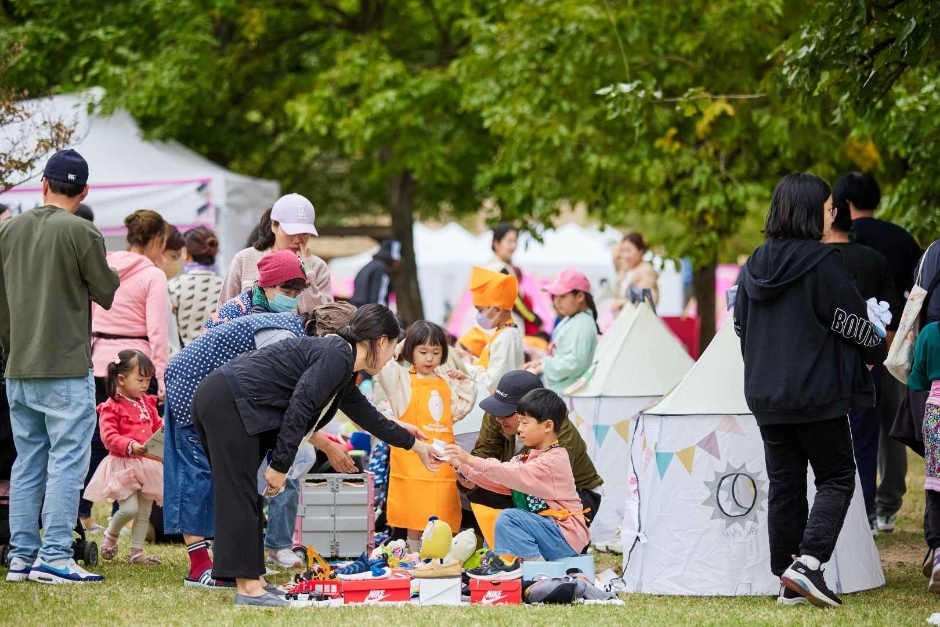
506 592
395 589
440 591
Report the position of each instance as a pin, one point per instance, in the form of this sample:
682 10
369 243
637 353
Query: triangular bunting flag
662 462
687 456
578 420
623 429
729 425
648 457
600 433
709 444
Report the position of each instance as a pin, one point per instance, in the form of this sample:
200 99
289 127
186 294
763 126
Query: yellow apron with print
484 359
414 493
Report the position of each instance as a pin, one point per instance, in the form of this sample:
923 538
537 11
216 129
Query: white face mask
485 323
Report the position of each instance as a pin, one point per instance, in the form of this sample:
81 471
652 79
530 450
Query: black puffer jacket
805 334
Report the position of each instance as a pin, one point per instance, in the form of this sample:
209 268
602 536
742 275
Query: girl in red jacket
127 420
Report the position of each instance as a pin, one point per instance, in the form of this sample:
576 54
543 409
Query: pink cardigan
120 424
141 309
547 475
244 272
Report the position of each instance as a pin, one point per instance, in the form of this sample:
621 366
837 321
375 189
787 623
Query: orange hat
474 340
493 289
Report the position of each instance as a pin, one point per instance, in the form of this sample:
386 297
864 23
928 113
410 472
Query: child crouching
548 518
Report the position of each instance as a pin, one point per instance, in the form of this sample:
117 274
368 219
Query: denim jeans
529 536
282 517
188 494
52 421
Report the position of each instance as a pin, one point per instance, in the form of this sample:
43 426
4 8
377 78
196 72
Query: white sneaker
61 571
886 523
19 570
874 528
285 558
611 545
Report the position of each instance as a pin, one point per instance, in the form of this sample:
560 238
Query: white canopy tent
695 521
636 362
128 173
444 257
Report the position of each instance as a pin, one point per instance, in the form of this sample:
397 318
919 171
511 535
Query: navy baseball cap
67 166
511 388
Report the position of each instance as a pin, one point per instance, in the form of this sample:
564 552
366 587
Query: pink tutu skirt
119 477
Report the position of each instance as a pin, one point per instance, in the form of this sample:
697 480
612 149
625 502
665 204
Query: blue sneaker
61 571
493 568
363 569
19 570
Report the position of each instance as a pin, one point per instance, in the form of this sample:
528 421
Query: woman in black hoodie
806 339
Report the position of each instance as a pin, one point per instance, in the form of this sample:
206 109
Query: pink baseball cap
295 214
279 267
568 281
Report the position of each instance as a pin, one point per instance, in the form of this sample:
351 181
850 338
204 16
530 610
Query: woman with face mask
281 279
494 295
287 226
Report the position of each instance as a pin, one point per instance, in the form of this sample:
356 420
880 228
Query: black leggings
234 457
793 529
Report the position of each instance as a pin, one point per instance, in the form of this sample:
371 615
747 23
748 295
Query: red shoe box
507 592
396 588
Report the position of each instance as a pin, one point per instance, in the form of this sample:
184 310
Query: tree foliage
29 130
880 63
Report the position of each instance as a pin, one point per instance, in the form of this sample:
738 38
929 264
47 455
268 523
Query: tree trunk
703 287
401 196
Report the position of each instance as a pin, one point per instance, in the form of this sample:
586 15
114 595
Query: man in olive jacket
52 264
499 439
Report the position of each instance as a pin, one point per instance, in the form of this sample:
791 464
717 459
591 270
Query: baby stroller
83 549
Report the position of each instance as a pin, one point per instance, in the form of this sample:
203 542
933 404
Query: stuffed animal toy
462 546
394 552
475 559
435 541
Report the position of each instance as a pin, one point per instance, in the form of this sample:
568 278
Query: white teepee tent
696 514
636 362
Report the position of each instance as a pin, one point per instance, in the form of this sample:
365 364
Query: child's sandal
144 559
109 546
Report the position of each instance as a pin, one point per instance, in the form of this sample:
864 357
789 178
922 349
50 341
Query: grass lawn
155 596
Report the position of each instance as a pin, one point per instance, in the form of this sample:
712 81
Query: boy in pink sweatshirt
548 519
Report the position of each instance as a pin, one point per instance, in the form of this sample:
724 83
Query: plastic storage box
338 514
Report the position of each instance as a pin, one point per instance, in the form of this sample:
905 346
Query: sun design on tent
735 496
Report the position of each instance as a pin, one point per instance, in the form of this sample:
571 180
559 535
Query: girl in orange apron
432 393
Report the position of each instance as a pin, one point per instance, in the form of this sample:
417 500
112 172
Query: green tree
662 108
352 103
880 63
29 130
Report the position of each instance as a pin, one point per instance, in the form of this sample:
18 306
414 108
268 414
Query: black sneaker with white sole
810 584
927 568
789 597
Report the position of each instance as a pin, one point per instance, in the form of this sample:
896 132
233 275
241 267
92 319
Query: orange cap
474 340
493 289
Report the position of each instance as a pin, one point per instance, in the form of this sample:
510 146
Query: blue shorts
188 495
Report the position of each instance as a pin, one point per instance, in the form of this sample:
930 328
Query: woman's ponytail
369 324
589 300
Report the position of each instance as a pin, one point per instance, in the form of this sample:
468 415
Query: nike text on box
508 592
396 589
